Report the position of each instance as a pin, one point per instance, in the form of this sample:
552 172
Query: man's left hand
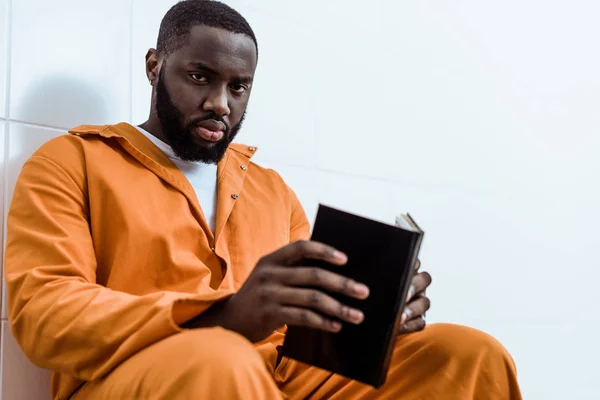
417 303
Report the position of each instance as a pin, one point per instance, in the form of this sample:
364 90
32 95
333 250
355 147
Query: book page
405 221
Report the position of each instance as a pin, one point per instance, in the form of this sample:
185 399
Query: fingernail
411 291
356 315
361 290
404 317
336 326
341 257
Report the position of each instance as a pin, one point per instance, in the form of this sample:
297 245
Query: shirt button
234 196
243 167
252 148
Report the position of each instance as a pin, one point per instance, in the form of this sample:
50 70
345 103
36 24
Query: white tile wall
479 118
4 32
282 106
455 100
70 62
556 365
21 380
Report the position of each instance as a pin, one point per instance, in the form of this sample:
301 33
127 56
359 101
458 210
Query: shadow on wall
58 102
63 102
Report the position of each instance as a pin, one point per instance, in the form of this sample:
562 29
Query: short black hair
183 16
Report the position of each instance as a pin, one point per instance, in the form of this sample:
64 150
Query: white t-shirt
202 177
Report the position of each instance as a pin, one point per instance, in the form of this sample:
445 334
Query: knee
213 351
211 363
448 342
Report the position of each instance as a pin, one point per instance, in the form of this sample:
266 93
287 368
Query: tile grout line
317 168
36 125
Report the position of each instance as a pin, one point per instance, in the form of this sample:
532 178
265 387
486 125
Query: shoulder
71 145
263 179
268 174
256 171
67 152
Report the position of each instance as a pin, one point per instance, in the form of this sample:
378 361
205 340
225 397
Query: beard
178 132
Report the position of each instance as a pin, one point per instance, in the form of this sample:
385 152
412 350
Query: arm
61 318
299 226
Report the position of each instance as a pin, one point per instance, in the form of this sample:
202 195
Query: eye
198 77
239 88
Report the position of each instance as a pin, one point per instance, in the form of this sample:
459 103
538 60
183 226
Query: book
383 257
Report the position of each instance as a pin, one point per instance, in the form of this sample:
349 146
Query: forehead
219 49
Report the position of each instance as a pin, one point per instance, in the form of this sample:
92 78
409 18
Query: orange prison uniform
108 252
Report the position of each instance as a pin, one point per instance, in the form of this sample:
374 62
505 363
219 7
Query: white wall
480 118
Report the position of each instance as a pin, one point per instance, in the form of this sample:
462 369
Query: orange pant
442 362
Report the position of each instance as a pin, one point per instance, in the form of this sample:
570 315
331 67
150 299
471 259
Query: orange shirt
108 250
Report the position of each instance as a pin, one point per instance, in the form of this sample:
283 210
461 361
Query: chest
149 236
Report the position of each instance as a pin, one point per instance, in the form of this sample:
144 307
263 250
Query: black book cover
381 256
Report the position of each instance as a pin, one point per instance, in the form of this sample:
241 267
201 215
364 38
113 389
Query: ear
152 66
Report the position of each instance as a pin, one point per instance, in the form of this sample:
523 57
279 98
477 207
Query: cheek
187 97
237 107
190 100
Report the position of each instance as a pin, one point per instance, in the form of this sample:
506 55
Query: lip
208 135
213 125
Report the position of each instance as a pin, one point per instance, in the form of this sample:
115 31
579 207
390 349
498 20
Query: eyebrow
204 67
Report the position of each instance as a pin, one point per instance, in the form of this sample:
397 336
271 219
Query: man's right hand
282 292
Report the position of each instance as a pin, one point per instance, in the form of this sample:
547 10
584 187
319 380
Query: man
153 262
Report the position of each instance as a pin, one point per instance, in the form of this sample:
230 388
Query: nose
217 102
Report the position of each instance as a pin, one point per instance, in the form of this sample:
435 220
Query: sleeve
61 318
299 225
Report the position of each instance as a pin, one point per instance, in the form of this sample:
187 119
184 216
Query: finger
297 251
416 308
417 264
318 301
420 282
294 316
414 325
321 278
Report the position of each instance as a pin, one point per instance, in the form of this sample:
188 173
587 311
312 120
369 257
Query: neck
153 126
